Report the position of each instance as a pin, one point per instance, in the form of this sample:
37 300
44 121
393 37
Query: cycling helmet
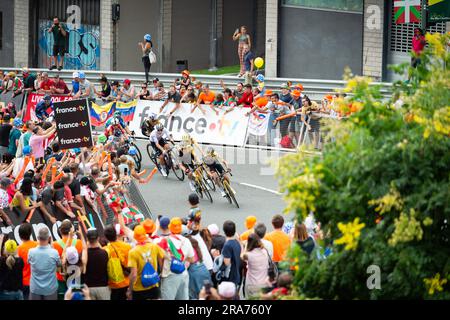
102 138
210 151
132 151
47 97
186 138
117 114
148 37
152 116
115 122
159 127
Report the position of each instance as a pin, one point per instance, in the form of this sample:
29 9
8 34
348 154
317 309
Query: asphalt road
253 180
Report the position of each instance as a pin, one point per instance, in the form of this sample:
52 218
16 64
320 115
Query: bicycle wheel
206 191
208 181
230 192
198 189
153 158
138 163
179 173
139 154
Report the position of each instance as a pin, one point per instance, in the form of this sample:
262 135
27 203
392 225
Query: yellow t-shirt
137 257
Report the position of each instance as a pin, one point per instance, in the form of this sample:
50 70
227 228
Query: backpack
149 276
221 271
152 56
116 271
176 264
63 245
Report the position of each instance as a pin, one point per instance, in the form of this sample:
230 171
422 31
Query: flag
126 110
407 11
99 114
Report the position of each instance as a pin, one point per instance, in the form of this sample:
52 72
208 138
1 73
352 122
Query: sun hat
10 246
227 289
72 255
250 222
164 222
139 234
175 225
149 226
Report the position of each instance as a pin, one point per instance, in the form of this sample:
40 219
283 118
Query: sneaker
164 172
52 67
192 186
60 68
223 193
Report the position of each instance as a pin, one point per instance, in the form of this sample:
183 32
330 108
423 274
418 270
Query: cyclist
148 125
215 168
42 106
158 140
187 158
116 127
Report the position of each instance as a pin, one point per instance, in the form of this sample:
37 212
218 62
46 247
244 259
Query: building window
1 30
334 5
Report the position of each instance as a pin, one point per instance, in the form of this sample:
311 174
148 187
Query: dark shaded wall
7 30
137 18
319 44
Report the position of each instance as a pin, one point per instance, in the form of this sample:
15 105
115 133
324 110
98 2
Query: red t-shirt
62 85
418 44
45 85
246 100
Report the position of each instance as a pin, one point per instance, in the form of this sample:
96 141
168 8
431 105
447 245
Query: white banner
258 123
227 129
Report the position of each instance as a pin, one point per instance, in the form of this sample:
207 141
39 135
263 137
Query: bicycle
200 185
130 142
229 192
170 160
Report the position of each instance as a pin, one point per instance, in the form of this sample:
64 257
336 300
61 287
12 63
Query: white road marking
260 188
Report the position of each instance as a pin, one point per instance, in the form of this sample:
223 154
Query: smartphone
75 225
207 285
77 287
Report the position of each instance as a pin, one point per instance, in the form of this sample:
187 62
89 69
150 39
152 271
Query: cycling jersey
213 164
41 110
186 157
156 135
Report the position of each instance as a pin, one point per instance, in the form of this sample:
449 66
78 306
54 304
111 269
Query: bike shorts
217 167
162 142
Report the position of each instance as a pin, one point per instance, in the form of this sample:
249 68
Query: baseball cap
164 222
127 81
75 74
155 80
285 86
47 97
175 225
296 93
26 150
213 229
81 75
250 221
11 246
115 83
17 122
72 255
139 234
268 93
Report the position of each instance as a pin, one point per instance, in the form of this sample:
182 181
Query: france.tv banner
73 124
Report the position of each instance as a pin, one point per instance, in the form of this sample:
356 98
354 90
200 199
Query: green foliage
389 168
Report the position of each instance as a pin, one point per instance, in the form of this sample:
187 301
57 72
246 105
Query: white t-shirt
180 242
269 246
207 259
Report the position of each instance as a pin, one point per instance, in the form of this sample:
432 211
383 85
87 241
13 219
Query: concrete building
297 38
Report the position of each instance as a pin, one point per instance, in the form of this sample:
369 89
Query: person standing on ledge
244 39
146 48
59 44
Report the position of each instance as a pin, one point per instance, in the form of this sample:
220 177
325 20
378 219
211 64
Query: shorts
59 50
295 124
217 167
162 142
151 294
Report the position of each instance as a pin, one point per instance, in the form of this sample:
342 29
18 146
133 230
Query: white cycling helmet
152 116
159 127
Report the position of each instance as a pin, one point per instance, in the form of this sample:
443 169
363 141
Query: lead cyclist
215 168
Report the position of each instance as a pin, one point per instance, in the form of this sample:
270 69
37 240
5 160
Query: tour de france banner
73 124
227 129
258 123
34 98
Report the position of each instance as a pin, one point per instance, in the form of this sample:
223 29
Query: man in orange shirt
64 230
250 222
206 97
25 230
279 239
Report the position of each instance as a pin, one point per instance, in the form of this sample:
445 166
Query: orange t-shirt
244 235
281 244
121 249
207 98
22 251
57 246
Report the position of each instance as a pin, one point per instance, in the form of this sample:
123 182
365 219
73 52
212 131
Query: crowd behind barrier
258 108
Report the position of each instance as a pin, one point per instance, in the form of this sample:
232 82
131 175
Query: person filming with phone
59 47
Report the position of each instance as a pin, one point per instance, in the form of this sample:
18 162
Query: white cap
227 289
213 229
75 74
72 255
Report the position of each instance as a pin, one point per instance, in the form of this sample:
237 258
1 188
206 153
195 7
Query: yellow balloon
259 62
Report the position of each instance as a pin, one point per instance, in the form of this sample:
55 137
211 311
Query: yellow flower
350 234
434 284
390 200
